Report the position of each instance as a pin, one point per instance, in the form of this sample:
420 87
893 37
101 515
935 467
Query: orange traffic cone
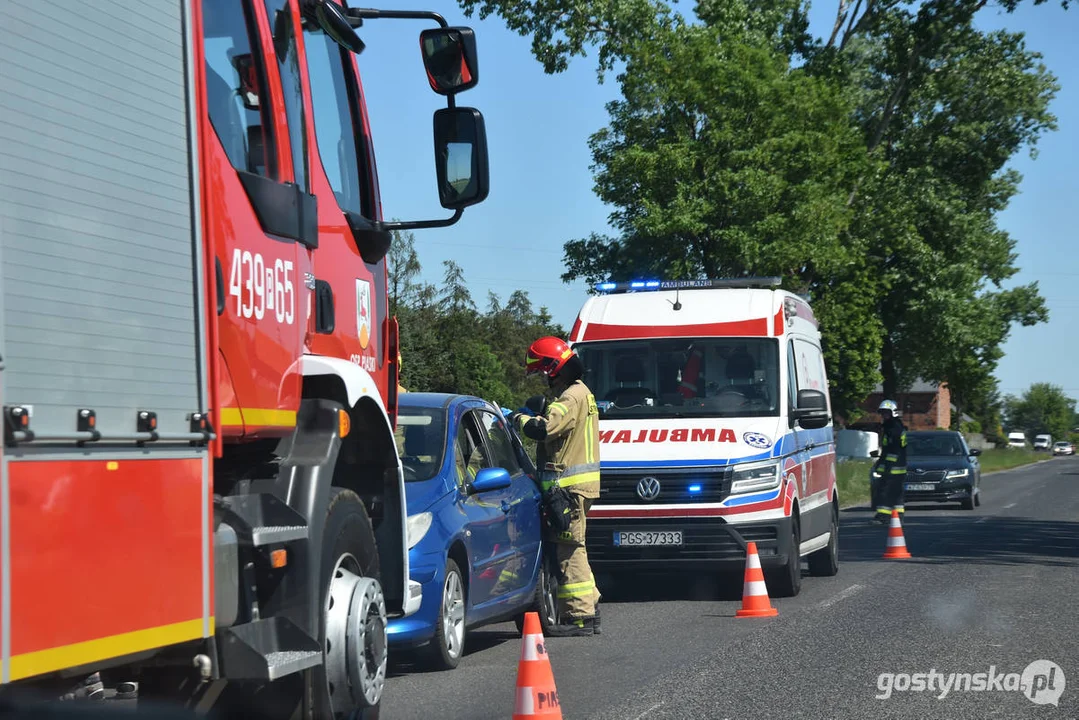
896 549
755 602
536 694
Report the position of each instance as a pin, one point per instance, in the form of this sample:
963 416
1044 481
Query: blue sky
541 182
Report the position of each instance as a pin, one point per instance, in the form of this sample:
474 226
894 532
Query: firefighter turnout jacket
893 466
568 433
894 451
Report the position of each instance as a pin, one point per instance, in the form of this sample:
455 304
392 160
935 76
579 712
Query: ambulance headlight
752 477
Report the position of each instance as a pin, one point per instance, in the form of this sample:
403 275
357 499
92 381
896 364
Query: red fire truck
200 489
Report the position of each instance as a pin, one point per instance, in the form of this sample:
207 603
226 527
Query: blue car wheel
446 648
545 603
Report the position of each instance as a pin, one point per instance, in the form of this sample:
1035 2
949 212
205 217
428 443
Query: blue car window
499 443
421 442
469 453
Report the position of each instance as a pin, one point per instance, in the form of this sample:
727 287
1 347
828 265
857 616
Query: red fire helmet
548 355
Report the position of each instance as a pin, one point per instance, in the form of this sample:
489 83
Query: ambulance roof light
639 285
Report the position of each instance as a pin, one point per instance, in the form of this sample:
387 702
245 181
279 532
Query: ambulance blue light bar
646 285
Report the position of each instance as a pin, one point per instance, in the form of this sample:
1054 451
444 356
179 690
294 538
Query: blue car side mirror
489 479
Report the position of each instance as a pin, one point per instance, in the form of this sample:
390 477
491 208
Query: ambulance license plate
648 537
920 486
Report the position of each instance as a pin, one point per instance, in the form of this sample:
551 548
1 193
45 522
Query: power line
498 246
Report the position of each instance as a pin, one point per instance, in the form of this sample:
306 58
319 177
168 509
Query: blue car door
487 523
523 509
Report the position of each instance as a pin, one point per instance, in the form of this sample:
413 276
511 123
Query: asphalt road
988 590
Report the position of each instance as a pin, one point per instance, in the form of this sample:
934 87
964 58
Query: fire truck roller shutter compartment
102 337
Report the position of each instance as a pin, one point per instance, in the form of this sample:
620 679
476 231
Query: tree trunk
888 370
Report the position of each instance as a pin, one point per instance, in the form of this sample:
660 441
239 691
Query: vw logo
648 488
920 471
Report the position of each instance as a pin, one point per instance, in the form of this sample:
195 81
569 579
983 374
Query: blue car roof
433 400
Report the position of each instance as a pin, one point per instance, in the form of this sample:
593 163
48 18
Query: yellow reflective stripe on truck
263 417
66 656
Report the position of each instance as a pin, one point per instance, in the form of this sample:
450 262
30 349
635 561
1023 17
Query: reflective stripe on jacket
894 451
570 441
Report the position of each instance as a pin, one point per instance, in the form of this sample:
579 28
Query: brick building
923 406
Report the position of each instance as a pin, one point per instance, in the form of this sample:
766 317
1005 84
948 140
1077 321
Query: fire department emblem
363 312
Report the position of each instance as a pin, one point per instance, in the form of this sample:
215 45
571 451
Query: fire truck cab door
343 179
260 211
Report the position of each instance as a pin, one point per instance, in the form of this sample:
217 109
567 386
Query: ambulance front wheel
825 562
786 581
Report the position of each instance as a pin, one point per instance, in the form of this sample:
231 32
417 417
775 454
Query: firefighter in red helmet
567 433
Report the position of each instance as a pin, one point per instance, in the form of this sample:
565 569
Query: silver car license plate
920 486
635 538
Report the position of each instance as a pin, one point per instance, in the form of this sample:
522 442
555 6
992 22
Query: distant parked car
474 532
1063 447
1043 442
1017 440
941 467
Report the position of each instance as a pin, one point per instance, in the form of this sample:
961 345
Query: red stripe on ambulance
659 435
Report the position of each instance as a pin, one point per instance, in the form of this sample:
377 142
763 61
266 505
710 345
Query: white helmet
888 405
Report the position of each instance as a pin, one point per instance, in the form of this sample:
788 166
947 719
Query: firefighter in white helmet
893 463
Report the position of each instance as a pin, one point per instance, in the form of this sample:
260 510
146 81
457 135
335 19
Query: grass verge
852 479
1007 458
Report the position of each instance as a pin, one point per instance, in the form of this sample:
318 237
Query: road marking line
841 595
984 519
1009 506
648 711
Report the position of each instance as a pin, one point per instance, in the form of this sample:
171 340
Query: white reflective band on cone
754 561
524 701
895 542
755 587
532 648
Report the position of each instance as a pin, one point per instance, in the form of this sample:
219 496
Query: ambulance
715 430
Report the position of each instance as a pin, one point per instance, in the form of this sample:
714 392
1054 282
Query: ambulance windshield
682 377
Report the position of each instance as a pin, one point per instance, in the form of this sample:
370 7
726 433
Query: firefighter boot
574 627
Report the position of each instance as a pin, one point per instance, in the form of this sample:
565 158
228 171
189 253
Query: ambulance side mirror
812 410
874 453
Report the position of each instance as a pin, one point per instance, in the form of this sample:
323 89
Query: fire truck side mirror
461 157
450 59
333 22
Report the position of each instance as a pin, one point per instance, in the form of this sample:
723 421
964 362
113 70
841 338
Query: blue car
474 528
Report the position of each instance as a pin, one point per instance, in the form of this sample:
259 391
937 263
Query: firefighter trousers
893 490
577 593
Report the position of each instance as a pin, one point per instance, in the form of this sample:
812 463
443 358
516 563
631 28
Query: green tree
927 214
561 29
884 213
448 345
1043 408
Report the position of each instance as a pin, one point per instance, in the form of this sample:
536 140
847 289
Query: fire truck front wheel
353 626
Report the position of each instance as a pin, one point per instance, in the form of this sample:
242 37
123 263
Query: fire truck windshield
683 377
